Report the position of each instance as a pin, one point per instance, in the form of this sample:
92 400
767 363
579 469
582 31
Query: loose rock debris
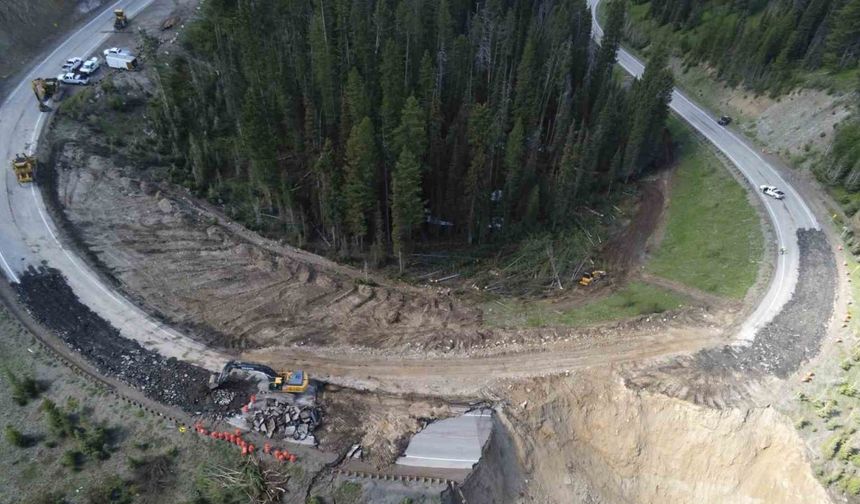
278 419
47 296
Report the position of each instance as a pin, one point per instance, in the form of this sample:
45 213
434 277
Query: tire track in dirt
460 375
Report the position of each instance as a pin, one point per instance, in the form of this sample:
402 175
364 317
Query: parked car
72 64
90 66
116 50
724 120
772 191
73 78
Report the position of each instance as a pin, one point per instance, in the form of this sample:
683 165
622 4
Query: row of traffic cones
248 449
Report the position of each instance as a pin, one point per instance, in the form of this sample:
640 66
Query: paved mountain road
28 237
786 216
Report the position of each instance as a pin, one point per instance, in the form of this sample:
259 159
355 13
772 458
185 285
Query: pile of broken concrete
279 419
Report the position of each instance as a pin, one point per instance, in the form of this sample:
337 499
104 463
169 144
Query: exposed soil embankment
722 376
188 266
590 439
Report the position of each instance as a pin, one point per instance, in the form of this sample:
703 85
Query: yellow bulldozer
24 166
588 278
45 89
120 19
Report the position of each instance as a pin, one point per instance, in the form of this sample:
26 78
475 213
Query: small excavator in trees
24 166
589 278
120 19
44 89
293 382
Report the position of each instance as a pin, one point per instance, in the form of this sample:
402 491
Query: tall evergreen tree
361 166
407 208
412 132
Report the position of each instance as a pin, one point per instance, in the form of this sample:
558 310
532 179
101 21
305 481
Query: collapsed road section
721 376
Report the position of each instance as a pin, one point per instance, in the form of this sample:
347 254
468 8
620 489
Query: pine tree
361 165
391 83
843 44
565 187
407 208
650 110
606 54
357 96
514 153
323 65
412 132
329 180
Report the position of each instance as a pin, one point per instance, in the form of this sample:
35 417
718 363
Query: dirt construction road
469 375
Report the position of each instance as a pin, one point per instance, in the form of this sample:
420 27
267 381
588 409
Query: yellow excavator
44 89
120 19
589 278
24 166
293 382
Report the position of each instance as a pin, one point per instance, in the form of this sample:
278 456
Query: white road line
9 271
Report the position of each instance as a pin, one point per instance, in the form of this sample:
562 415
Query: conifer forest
385 123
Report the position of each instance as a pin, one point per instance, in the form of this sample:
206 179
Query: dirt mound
589 439
381 423
724 375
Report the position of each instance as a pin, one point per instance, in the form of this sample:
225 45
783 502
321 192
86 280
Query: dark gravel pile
795 335
51 301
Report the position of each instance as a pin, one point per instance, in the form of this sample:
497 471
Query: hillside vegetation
373 125
770 46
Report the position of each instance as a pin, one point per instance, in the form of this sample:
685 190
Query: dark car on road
724 120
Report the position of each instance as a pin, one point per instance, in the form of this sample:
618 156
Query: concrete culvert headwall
588 440
498 477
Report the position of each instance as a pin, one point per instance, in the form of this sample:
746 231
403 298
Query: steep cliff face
28 26
595 441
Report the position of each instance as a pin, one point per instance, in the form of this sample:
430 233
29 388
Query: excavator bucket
24 166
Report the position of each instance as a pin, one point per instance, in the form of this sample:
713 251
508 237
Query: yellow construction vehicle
120 20
589 278
293 382
44 89
24 166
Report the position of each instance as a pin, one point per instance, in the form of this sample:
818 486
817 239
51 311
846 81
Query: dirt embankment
589 439
197 271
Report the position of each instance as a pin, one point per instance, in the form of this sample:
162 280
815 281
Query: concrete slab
455 443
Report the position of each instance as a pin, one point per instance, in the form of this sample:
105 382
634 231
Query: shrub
23 389
93 442
15 437
112 491
831 446
72 459
852 485
59 424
